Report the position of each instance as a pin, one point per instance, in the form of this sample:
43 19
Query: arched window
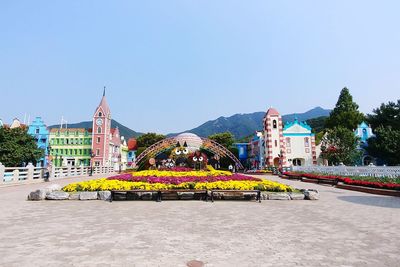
276 143
287 141
306 142
99 130
100 114
274 125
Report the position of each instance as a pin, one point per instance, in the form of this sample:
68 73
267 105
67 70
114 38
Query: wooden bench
258 198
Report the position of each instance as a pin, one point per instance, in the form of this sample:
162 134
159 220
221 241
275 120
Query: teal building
39 131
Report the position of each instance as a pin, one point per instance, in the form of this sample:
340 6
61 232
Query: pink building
102 134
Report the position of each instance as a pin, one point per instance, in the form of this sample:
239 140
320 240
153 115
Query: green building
70 147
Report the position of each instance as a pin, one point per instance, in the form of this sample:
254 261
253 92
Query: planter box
370 190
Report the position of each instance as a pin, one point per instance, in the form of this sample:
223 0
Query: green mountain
124 131
243 125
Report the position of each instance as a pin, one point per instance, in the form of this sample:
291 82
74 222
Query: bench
159 192
258 198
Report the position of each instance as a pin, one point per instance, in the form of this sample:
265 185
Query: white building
292 144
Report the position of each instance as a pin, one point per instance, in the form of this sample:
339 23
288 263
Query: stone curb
54 194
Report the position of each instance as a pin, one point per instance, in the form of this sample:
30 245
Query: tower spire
104 91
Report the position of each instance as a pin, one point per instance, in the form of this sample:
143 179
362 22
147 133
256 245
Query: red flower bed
379 185
347 180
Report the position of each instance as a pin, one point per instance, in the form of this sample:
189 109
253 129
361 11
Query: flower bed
349 180
170 180
105 184
182 179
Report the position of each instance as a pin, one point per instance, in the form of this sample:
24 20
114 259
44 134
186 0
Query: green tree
345 114
386 115
17 146
149 139
226 139
339 145
385 145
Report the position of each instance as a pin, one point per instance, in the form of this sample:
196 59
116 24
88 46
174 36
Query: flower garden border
338 182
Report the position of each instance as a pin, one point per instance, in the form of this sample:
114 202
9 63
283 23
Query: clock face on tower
99 122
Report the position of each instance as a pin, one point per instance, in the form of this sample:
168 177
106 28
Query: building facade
287 145
101 134
38 130
299 144
364 132
70 147
257 151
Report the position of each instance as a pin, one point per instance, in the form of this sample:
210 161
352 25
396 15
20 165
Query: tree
385 145
345 114
17 146
149 139
339 145
226 139
386 115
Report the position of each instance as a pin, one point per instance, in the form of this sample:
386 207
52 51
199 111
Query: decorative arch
169 143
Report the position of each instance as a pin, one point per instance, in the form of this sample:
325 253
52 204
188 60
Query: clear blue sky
172 65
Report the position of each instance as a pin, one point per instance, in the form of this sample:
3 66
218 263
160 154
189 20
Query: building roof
103 104
272 112
71 130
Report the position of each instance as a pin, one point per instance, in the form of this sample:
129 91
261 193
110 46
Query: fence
30 173
370 171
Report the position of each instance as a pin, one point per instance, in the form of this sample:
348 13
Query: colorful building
102 136
40 133
292 144
299 144
70 147
364 132
132 148
257 151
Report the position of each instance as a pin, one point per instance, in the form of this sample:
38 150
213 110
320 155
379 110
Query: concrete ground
344 228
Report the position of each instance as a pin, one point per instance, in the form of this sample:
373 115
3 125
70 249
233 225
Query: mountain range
240 125
123 130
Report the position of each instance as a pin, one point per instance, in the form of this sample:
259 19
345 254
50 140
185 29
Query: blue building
39 131
364 132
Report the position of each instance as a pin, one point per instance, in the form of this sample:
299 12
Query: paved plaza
344 228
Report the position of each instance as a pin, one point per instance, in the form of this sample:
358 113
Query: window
37 130
307 142
276 143
98 140
99 130
288 142
274 125
100 114
97 152
97 163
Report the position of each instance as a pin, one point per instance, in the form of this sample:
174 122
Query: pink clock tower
101 133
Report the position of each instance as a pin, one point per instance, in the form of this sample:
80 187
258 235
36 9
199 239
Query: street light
91 163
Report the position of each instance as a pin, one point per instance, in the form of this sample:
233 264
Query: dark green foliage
17 146
386 115
340 146
317 124
226 139
345 114
385 145
149 139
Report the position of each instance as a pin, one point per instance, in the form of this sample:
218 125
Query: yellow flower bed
156 173
104 184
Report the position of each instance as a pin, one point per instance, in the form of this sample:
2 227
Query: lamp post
91 163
